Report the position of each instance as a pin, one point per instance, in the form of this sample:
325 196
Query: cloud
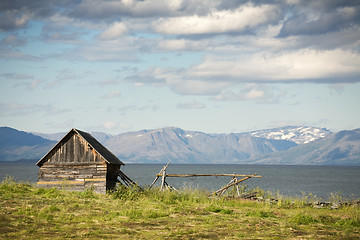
321 23
337 88
177 80
13 19
180 44
227 21
125 49
191 105
319 17
110 124
12 41
153 76
27 109
29 85
113 94
117 29
18 55
16 14
92 9
218 73
260 93
306 65
65 125
107 82
16 76
198 87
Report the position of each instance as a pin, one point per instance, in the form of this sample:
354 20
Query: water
288 180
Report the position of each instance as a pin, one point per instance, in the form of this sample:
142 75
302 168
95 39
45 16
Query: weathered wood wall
74 149
75 165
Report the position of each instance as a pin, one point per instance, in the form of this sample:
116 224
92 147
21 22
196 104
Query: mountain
297 134
288 145
181 146
342 148
50 136
15 145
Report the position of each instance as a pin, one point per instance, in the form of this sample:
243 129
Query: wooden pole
224 189
208 175
159 174
163 181
237 187
229 185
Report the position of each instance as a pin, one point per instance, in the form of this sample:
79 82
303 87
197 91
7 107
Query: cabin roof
109 157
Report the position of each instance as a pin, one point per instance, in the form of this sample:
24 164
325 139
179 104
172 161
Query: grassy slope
27 212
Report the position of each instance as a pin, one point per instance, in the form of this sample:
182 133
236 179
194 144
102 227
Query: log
229 185
209 175
162 181
159 174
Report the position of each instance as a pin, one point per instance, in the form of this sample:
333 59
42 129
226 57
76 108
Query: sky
203 65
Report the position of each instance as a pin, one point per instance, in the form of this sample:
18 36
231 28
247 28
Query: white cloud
117 29
198 87
180 44
260 93
218 73
304 65
226 21
125 49
110 124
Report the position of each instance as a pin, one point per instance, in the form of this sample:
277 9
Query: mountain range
19 145
288 145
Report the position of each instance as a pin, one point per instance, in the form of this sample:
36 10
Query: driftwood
208 175
234 181
160 174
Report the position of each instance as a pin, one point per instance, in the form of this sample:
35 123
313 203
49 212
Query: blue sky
212 66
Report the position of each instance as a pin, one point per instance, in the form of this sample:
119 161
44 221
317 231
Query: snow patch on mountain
299 135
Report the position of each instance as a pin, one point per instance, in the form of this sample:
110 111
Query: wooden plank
73 164
95 180
76 181
60 182
76 155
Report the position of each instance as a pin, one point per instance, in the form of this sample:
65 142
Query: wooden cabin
77 162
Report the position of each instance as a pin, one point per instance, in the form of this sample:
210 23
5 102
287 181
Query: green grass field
28 212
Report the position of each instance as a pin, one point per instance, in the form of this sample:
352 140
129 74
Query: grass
27 212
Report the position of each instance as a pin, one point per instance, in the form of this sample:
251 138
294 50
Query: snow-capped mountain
341 148
182 146
299 135
273 146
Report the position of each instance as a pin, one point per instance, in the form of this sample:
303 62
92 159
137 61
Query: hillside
342 148
269 146
181 146
16 145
